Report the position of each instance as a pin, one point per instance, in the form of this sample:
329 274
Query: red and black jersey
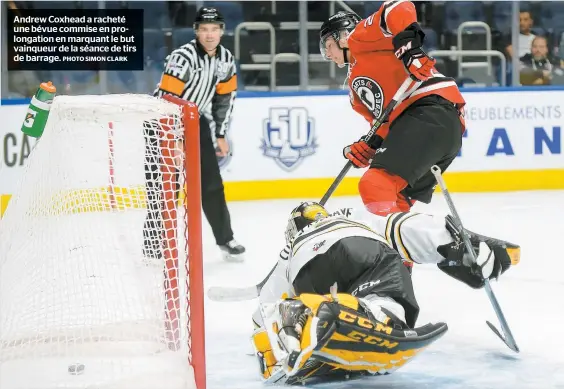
375 74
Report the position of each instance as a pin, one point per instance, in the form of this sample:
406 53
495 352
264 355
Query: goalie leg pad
263 350
343 336
358 343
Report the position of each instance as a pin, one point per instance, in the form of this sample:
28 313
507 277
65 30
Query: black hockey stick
219 293
398 97
509 340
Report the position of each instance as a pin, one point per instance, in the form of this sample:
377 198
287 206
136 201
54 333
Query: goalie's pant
360 266
213 195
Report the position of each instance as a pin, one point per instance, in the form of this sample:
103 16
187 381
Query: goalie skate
232 251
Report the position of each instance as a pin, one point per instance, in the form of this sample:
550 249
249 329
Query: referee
201 71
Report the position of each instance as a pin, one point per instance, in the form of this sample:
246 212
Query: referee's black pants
213 194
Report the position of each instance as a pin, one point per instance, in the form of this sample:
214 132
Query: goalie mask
302 216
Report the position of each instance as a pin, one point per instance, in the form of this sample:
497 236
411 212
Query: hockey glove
408 49
360 153
494 257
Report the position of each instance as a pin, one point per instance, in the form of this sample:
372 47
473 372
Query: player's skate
494 256
233 251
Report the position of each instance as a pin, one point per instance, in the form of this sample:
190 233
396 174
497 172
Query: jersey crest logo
370 93
288 136
177 66
318 245
221 69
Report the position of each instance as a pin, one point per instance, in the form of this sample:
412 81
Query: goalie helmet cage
101 279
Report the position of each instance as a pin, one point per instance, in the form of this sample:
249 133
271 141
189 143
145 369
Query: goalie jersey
414 236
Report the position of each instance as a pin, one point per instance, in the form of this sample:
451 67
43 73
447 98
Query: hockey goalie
340 303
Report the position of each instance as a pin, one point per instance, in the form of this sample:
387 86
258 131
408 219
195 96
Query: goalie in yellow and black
340 302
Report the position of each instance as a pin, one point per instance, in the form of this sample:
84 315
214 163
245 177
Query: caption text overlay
108 39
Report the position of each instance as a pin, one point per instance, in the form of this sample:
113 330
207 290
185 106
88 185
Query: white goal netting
93 289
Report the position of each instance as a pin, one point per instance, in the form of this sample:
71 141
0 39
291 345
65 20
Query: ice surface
469 355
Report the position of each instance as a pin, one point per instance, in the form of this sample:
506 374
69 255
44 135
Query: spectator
526 35
539 67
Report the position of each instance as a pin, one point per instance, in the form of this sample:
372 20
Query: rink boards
289 145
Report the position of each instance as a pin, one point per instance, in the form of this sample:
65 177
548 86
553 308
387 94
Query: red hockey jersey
375 74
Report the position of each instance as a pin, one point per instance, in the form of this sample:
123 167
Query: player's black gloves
407 47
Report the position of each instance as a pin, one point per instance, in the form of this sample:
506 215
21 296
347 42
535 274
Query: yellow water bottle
38 110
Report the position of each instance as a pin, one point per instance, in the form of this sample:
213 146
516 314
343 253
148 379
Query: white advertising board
300 137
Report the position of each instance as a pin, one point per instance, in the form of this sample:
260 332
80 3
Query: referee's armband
171 84
228 86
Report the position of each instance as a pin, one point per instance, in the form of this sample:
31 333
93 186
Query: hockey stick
509 340
398 97
219 293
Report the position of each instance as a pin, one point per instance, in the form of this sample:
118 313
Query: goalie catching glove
312 335
360 153
494 257
408 48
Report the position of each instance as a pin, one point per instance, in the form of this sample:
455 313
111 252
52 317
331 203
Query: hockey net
100 257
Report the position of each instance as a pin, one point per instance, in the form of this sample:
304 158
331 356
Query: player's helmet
341 21
209 15
302 216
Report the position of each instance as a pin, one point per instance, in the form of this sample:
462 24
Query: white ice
469 355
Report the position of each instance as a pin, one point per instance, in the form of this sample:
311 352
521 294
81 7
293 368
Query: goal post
101 274
193 205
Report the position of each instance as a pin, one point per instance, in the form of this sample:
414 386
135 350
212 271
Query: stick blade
512 345
226 294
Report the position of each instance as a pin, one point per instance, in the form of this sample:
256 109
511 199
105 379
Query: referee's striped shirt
209 82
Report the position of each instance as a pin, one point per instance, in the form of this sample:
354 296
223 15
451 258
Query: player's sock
409 266
379 191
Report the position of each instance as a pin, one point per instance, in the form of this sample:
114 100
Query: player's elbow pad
412 38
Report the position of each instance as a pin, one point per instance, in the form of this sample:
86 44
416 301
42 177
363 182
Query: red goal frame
192 204
194 262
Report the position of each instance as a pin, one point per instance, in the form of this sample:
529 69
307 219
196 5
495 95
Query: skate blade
236 258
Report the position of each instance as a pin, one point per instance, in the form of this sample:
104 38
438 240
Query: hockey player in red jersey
425 129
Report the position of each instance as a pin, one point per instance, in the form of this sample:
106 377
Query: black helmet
341 21
302 216
209 15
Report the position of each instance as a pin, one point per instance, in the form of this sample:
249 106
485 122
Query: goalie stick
509 340
219 293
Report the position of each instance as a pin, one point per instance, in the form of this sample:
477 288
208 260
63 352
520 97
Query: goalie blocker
315 332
